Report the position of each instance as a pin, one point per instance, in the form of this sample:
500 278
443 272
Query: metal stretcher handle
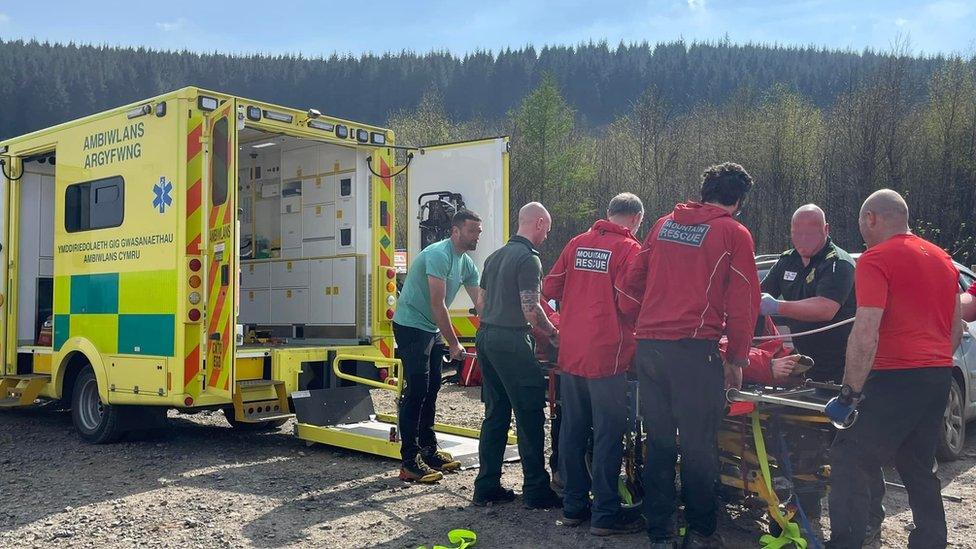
736 395
394 364
447 358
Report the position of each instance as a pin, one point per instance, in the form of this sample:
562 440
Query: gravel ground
206 485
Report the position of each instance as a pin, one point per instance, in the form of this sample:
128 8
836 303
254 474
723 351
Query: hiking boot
622 525
495 497
440 460
549 500
418 471
573 520
694 540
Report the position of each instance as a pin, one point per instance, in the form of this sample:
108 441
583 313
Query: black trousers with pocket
512 382
899 419
422 354
682 393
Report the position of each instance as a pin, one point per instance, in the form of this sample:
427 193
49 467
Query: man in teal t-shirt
421 319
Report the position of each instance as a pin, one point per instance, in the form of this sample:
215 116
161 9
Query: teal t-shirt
437 260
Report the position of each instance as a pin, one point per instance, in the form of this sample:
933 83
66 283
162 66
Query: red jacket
760 368
697 277
596 336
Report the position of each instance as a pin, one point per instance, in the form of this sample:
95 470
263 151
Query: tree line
588 121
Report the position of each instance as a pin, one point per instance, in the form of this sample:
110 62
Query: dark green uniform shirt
513 268
830 274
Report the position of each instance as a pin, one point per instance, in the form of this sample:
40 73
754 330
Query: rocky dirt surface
206 485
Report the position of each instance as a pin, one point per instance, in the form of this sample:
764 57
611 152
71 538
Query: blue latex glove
768 305
839 409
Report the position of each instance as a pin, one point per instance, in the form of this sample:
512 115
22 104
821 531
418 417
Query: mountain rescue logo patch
594 260
689 235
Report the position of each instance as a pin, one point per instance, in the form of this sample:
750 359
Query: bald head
534 222
810 213
883 215
808 230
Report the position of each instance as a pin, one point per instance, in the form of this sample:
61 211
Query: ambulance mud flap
340 405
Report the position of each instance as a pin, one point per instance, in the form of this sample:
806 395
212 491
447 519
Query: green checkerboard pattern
120 313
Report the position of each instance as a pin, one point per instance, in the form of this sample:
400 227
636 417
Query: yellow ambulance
200 251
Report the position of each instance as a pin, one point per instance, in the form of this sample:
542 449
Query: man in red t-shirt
899 356
968 303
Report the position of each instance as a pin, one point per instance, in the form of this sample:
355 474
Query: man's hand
457 351
783 367
768 305
733 376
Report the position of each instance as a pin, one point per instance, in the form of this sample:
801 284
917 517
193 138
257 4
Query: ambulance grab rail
738 395
395 363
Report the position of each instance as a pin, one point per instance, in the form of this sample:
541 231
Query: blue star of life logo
162 192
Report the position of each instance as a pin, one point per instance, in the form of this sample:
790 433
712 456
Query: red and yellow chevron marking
383 246
220 302
194 171
465 326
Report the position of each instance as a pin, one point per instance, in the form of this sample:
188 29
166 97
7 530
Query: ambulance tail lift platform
199 251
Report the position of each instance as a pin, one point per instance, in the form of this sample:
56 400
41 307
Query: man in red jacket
696 278
595 351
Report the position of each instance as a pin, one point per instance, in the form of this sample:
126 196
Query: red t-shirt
916 284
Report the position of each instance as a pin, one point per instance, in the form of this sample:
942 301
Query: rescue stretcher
790 422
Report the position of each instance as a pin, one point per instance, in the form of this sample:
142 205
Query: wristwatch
848 394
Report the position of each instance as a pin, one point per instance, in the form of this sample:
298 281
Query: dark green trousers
512 381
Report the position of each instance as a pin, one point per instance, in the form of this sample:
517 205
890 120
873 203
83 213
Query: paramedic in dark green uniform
812 286
512 378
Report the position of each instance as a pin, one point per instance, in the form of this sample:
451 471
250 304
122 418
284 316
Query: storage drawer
291 204
255 307
319 221
289 274
291 230
321 247
289 306
319 190
255 275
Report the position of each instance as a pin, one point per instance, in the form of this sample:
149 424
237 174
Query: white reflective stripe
707 288
742 275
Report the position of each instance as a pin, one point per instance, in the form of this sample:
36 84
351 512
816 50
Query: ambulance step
260 400
17 391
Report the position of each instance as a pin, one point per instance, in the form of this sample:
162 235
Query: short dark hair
625 204
463 216
725 183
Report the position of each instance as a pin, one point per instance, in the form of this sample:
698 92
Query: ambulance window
218 163
94 205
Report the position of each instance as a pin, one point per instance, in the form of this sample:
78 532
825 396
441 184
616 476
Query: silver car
961 407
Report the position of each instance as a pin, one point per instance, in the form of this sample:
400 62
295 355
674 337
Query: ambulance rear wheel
95 421
260 426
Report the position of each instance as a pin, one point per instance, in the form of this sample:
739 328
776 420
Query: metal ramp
345 417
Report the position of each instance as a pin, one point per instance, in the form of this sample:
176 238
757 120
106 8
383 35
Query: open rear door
221 249
478 172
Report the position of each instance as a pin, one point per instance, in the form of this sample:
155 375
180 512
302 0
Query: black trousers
682 392
592 407
900 418
512 381
422 354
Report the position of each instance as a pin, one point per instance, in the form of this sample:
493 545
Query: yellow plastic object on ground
460 537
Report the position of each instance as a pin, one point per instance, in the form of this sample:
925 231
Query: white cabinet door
319 221
255 307
291 230
256 275
299 162
320 190
289 306
320 292
344 291
289 274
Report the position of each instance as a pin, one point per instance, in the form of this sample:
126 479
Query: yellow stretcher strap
790 531
460 537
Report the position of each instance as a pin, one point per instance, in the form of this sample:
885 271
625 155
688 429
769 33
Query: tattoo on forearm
532 309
